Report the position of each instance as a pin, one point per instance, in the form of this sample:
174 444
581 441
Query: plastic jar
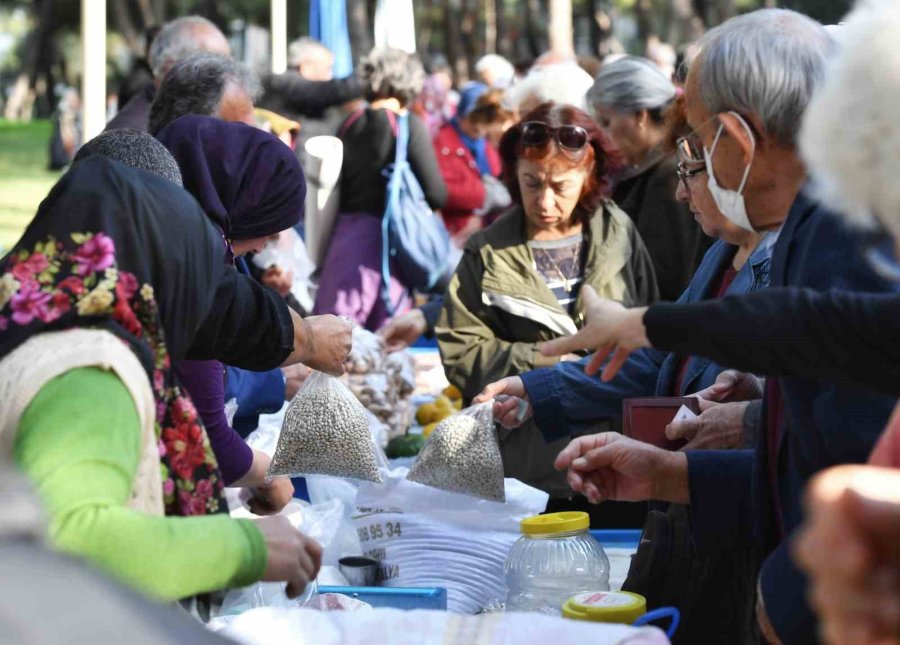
555 559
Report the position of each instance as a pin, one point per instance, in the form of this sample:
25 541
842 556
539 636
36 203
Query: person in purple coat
252 186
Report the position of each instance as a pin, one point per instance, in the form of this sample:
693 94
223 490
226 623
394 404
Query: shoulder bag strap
401 128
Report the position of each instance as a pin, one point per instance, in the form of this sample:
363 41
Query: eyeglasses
569 137
683 172
689 149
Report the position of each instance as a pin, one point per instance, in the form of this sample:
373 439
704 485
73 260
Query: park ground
24 178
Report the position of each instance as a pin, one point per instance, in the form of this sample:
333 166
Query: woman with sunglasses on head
520 280
629 98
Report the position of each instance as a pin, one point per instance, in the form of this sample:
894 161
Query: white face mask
730 202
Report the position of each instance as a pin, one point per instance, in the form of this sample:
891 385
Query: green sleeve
79 443
471 352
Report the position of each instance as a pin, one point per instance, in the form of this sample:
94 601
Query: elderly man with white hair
176 41
746 96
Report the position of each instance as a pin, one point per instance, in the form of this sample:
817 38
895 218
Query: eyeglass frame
553 133
683 174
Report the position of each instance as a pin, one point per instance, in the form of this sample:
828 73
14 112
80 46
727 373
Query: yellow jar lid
554 523
622 607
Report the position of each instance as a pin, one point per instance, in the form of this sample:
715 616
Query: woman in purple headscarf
251 185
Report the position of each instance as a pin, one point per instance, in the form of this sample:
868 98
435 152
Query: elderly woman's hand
720 426
850 548
292 557
327 341
609 328
732 385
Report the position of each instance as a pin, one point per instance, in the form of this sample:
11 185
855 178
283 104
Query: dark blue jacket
825 424
256 392
566 401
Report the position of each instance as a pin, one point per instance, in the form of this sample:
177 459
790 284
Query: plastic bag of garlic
462 456
382 382
325 432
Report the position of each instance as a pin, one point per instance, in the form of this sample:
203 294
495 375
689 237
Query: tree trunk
127 28
644 11
37 46
490 26
686 26
504 42
361 34
532 16
425 26
454 41
560 27
470 36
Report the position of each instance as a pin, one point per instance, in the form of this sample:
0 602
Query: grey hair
196 85
174 42
631 84
391 73
305 48
135 149
768 63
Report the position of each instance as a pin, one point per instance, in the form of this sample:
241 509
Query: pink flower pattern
191 481
95 255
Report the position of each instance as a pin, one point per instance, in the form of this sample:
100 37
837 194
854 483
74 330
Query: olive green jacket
498 310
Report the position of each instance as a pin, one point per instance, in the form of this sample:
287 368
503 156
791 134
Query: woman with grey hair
351 274
629 98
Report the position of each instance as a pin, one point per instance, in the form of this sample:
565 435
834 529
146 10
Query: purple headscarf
247 181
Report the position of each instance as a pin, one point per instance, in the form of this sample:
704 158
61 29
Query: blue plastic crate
620 538
395 597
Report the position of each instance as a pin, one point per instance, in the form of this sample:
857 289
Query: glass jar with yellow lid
555 559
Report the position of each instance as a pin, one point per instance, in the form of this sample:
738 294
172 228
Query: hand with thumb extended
610 329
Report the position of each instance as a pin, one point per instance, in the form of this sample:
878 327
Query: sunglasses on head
570 137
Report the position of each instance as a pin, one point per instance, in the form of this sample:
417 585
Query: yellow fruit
427 413
452 392
457 403
444 403
427 430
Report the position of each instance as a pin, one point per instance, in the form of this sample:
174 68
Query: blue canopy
328 25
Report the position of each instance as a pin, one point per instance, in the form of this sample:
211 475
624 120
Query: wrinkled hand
292 556
280 281
720 426
850 549
732 385
507 394
404 330
327 340
609 466
271 497
294 377
609 327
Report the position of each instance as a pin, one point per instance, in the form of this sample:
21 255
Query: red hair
600 159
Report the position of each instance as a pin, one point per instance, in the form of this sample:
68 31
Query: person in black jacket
308 88
741 497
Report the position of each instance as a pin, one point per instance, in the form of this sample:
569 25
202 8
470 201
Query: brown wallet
646 419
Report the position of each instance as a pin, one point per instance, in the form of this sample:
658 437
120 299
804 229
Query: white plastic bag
325 432
398 627
425 537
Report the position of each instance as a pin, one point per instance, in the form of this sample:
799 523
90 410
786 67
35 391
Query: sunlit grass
24 178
